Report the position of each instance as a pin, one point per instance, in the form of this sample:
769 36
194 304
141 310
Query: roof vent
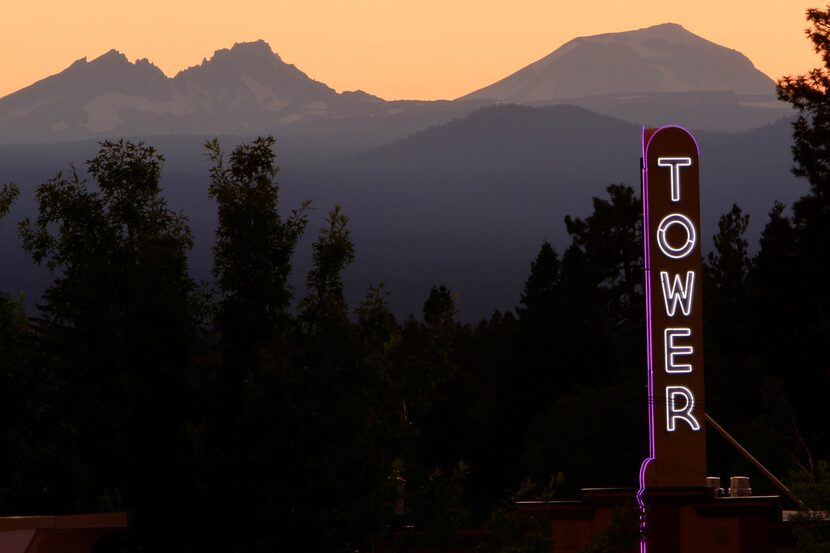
739 486
714 483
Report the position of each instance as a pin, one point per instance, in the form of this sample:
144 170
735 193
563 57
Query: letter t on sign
675 163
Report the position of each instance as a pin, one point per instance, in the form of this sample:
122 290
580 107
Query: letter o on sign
676 251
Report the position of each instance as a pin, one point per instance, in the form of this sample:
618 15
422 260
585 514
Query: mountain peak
255 47
250 76
255 55
663 58
674 33
112 56
669 26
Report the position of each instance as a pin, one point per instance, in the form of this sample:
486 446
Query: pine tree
249 400
538 302
809 95
602 286
611 239
325 303
806 369
254 246
120 316
8 194
725 274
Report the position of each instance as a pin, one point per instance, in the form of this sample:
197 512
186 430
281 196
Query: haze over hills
662 72
467 203
570 153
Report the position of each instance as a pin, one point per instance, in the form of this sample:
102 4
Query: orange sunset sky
424 49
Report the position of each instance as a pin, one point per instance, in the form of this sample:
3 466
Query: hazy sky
392 48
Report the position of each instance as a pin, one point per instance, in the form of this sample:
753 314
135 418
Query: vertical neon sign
674 328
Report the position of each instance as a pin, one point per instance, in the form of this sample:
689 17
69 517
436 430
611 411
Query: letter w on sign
676 292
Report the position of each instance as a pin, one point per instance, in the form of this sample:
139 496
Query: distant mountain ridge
653 75
466 203
227 93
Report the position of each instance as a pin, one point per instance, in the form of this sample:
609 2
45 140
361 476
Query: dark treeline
236 416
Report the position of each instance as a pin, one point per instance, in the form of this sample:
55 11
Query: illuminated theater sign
671 225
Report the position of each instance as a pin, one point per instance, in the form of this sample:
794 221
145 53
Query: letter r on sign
680 402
